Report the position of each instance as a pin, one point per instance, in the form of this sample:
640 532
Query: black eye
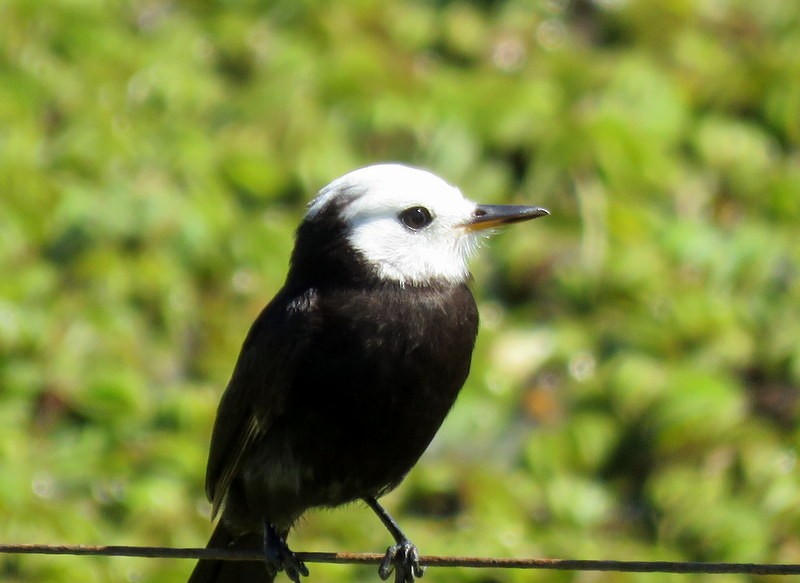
416 217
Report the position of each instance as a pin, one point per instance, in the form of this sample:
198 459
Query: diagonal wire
431 561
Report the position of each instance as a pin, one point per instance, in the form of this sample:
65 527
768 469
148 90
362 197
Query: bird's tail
211 571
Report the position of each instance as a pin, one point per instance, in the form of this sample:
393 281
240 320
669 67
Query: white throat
438 252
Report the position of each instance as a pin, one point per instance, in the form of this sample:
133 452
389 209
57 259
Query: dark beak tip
533 213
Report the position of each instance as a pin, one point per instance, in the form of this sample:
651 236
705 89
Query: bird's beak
487 216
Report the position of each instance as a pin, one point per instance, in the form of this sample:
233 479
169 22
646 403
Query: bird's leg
278 555
403 556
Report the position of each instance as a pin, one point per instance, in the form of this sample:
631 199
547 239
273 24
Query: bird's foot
403 559
279 557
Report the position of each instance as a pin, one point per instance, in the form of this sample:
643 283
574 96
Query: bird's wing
255 394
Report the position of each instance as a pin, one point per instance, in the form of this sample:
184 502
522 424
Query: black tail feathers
210 571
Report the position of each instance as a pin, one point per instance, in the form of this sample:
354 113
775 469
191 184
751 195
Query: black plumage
342 382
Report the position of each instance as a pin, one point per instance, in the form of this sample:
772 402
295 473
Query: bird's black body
342 382
368 381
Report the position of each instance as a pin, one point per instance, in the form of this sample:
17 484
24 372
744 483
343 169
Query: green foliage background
635 386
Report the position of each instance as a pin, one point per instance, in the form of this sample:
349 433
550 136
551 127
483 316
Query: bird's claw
403 559
280 557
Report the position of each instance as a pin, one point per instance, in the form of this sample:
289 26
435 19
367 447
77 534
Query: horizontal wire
430 561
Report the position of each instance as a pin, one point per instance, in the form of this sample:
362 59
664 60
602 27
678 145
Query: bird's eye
416 217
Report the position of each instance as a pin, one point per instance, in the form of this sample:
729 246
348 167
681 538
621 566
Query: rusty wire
430 561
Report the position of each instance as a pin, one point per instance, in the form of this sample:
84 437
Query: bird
347 374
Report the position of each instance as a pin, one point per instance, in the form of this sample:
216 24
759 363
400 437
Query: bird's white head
409 225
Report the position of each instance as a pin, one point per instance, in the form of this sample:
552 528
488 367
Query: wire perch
428 561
